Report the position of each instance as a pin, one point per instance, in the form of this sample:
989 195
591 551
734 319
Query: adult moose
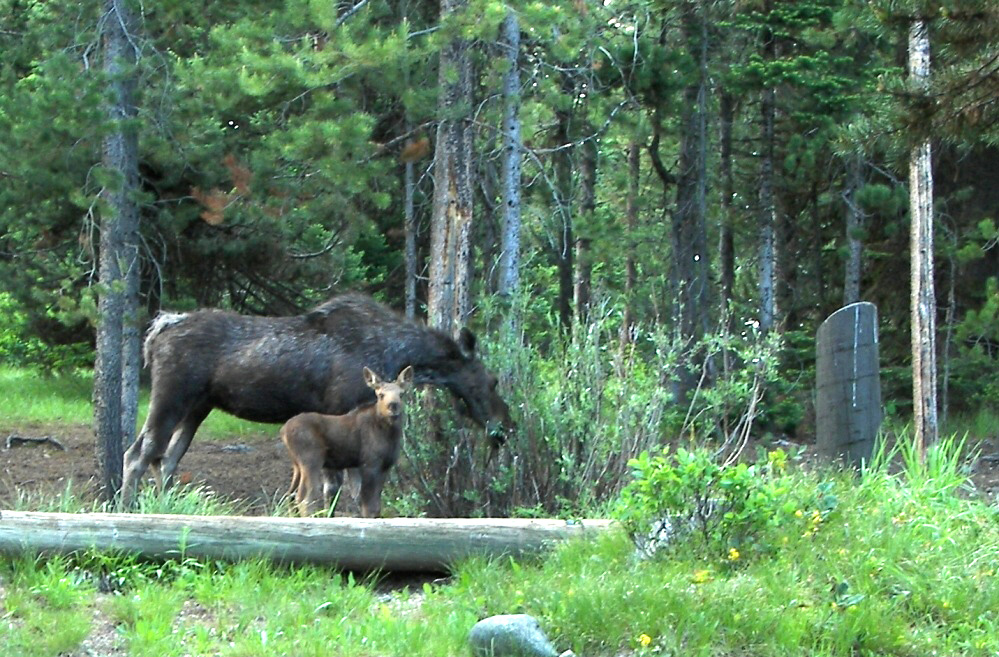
268 369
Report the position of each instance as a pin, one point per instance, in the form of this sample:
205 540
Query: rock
511 635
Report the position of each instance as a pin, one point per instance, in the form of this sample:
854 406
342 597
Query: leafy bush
584 405
719 509
19 347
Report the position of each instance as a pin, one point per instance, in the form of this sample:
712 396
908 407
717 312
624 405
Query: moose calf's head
388 395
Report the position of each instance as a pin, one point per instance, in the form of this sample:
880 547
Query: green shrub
584 405
20 347
714 508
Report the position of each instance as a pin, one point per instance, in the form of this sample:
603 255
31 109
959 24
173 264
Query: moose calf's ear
466 342
371 378
406 376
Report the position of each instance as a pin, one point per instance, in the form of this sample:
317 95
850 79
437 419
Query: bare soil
254 470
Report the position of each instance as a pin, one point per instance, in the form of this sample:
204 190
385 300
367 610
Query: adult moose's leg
181 440
372 480
149 446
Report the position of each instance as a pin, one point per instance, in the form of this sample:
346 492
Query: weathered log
392 544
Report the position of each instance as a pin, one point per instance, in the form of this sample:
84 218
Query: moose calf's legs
372 480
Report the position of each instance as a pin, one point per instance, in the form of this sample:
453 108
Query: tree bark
854 227
448 299
564 239
689 231
409 184
509 275
923 296
630 228
768 210
588 201
408 544
118 265
726 246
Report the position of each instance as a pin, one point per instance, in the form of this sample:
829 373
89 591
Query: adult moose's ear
405 378
371 378
466 342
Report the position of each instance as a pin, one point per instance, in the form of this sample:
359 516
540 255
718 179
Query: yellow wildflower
701 576
733 554
645 640
799 513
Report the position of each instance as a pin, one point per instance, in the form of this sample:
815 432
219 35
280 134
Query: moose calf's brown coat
368 438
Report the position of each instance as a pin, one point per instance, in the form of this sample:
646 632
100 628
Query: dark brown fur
367 438
269 369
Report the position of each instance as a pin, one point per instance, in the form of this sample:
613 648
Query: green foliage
715 509
583 407
44 610
903 563
19 347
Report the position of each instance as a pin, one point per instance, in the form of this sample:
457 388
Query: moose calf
322 446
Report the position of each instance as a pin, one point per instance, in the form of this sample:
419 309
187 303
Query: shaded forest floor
255 469
251 469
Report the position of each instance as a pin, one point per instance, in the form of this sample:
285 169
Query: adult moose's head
436 358
269 369
475 389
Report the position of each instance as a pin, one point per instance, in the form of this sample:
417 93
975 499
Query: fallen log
390 544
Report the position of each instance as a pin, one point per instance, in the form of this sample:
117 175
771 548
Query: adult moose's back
268 369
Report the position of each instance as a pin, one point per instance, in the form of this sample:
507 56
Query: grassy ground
904 565
34 398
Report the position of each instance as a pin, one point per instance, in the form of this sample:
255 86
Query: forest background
702 184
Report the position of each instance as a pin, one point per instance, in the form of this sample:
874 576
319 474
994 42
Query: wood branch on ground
13 440
389 544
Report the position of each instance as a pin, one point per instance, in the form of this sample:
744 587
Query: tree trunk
588 199
690 256
726 247
854 228
450 232
768 215
630 228
923 297
118 249
131 352
409 184
509 275
407 544
564 240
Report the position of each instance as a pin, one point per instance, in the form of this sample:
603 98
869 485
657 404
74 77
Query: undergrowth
904 563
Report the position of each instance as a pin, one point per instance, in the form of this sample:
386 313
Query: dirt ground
254 470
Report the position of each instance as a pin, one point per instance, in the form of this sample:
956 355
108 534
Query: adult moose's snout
498 432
